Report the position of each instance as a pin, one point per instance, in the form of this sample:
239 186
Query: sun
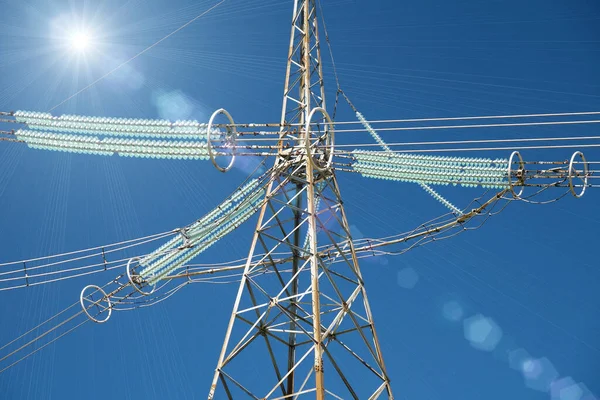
80 41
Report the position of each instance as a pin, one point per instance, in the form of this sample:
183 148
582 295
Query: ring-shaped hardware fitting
135 285
95 303
330 139
521 168
573 171
232 131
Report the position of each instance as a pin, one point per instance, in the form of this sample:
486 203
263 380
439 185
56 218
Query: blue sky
530 274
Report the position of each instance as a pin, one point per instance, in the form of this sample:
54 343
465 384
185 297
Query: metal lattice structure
301 321
301 313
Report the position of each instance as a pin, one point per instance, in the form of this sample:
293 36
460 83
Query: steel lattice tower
306 329
301 325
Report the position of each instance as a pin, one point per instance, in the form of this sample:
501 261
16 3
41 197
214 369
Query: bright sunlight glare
80 41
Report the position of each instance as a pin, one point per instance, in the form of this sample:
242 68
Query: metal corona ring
510 182
330 139
208 139
135 285
104 298
572 171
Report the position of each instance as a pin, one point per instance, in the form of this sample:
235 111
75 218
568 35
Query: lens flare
80 41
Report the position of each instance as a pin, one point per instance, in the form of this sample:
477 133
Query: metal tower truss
301 324
306 327
304 84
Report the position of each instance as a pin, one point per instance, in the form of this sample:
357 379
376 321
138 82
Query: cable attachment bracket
136 280
187 242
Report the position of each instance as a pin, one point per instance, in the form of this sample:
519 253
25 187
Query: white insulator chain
155 128
423 185
147 138
372 131
193 150
148 271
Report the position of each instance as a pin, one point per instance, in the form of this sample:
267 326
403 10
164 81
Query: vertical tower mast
303 83
301 313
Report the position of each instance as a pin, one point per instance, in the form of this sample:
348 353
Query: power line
517 140
386 121
417 128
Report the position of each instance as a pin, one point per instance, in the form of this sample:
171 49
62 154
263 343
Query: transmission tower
316 329
301 324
